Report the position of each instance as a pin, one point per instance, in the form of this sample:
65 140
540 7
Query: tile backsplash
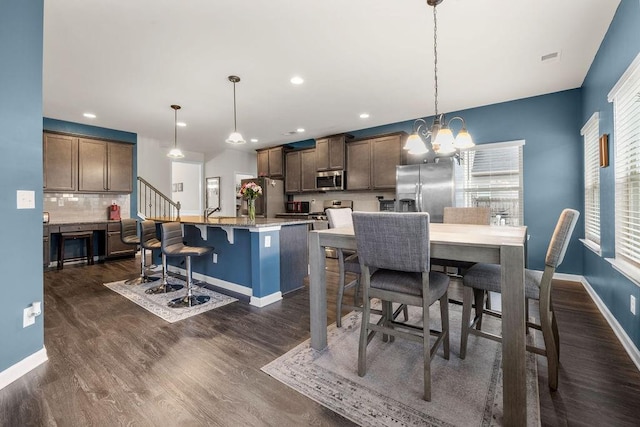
72 207
362 201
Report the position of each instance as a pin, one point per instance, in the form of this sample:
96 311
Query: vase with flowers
251 191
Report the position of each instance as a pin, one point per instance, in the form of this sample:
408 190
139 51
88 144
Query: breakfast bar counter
263 259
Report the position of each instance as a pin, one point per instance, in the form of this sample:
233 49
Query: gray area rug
464 392
157 303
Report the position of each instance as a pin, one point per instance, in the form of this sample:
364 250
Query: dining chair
396 245
487 277
347 263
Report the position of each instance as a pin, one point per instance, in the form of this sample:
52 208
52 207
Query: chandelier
439 134
235 137
175 152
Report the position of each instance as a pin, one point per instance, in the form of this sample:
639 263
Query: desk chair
396 245
486 277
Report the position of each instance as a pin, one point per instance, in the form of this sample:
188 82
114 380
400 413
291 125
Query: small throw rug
157 303
464 392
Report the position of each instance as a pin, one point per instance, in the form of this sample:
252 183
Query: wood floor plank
113 363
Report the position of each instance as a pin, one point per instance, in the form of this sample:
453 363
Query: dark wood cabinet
386 154
60 162
359 165
330 153
371 163
292 177
87 165
300 171
271 162
308 174
115 247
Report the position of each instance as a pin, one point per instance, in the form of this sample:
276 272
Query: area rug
157 303
464 392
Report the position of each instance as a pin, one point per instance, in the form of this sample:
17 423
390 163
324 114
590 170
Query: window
493 178
625 96
590 132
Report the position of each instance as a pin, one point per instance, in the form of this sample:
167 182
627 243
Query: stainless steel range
321 222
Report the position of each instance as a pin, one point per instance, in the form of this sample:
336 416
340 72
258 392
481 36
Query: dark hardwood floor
113 363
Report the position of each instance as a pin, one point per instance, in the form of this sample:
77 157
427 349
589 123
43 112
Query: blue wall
103 133
550 125
21 143
618 49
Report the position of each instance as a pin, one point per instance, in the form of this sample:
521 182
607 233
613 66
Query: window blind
493 178
626 109
590 133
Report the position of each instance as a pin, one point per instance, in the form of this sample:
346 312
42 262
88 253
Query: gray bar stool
149 240
172 245
129 236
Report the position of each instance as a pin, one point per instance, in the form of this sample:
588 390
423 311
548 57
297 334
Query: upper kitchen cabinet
88 165
60 162
271 162
330 153
300 173
371 163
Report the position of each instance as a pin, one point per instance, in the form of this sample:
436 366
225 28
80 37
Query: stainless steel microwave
331 180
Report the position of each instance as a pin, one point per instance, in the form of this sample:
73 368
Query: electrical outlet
215 258
28 318
60 201
633 305
267 241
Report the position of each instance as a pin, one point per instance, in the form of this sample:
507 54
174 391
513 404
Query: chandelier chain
435 57
235 124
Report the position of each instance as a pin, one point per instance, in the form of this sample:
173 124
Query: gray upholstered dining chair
487 277
396 245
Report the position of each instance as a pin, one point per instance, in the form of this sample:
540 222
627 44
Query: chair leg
341 281
364 332
164 286
190 299
466 320
444 316
478 296
387 316
426 351
549 335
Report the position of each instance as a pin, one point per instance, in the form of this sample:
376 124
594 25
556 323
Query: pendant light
235 137
440 134
175 152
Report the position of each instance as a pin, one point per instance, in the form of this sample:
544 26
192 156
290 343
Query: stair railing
153 203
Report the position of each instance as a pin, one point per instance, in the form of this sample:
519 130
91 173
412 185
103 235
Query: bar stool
172 245
149 240
129 236
81 235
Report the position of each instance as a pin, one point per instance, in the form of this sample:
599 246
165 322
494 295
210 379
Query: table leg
317 293
513 336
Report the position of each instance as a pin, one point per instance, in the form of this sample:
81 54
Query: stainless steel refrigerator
429 187
270 203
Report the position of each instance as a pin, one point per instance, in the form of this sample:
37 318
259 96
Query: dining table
504 245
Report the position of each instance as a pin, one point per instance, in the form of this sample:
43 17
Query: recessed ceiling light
254 139
297 80
300 130
181 124
364 115
89 115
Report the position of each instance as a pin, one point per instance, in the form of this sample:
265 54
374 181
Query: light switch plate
267 241
633 305
26 199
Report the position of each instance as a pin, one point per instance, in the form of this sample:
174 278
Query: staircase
153 203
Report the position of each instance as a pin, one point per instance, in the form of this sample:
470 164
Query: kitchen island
262 259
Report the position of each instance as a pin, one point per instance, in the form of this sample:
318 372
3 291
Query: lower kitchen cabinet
115 246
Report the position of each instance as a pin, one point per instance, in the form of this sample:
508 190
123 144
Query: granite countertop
232 221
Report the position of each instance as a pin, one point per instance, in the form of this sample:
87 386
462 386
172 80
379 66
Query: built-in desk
106 238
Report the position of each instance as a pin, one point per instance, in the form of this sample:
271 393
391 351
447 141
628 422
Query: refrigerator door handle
418 197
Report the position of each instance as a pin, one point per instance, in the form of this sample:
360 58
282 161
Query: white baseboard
230 286
626 342
14 372
264 301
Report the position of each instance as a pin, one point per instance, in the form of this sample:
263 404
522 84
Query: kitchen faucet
209 211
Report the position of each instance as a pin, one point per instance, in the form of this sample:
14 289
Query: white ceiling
128 61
